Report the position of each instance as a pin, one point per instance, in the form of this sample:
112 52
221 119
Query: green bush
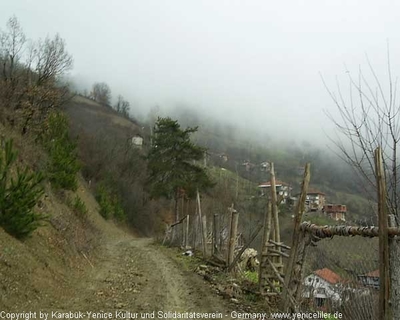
18 196
63 165
110 204
251 276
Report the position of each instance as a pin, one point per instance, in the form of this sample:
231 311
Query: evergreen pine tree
64 164
18 196
171 162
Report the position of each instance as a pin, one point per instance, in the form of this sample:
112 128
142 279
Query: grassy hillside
37 268
112 163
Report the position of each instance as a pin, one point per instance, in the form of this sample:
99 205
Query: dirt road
135 275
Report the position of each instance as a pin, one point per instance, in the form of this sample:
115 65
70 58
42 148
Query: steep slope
41 267
76 262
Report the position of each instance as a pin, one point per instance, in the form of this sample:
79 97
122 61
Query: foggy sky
252 61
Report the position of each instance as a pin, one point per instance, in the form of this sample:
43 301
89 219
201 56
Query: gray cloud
252 61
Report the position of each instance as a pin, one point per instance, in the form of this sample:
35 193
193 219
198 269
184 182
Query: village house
282 189
224 157
248 165
370 279
335 211
323 287
137 140
265 166
315 200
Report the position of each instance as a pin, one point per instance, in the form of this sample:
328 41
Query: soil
127 274
131 275
134 275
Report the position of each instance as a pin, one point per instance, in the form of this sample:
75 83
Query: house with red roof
323 286
335 211
315 199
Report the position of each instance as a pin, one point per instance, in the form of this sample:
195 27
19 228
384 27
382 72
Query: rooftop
315 191
328 275
372 274
267 184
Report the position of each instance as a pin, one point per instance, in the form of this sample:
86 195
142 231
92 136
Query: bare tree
101 93
29 75
370 117
12 42
52 59
122 106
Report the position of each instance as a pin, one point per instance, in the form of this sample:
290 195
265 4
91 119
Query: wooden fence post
297 253
187 232
204 231
277 260
215 242
232 235
262 277
245 246
203 226
384 277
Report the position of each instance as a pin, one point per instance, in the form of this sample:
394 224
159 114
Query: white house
315 200
137 140
282 189
323 286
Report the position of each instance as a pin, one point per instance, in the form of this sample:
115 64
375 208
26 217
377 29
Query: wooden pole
384 277
215 242
204 232
220 237
274 206
274 202
232 235
281 280
203 229
182 231
297 253
253 236
187 232
195 223
264 248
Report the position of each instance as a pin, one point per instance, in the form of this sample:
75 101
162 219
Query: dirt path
134 275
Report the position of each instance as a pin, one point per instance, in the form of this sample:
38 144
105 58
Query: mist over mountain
250 63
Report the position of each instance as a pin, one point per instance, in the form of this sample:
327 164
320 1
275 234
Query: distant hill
244 151
89 116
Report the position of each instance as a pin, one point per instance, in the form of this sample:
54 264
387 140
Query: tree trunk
384 281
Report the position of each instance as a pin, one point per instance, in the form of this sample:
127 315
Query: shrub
110 204
18 196
251 276
79 207
63 165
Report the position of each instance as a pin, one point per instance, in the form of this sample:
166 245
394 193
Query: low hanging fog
254 64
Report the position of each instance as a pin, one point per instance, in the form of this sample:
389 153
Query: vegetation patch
251 276
78 206
63 165
19 194
110 204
